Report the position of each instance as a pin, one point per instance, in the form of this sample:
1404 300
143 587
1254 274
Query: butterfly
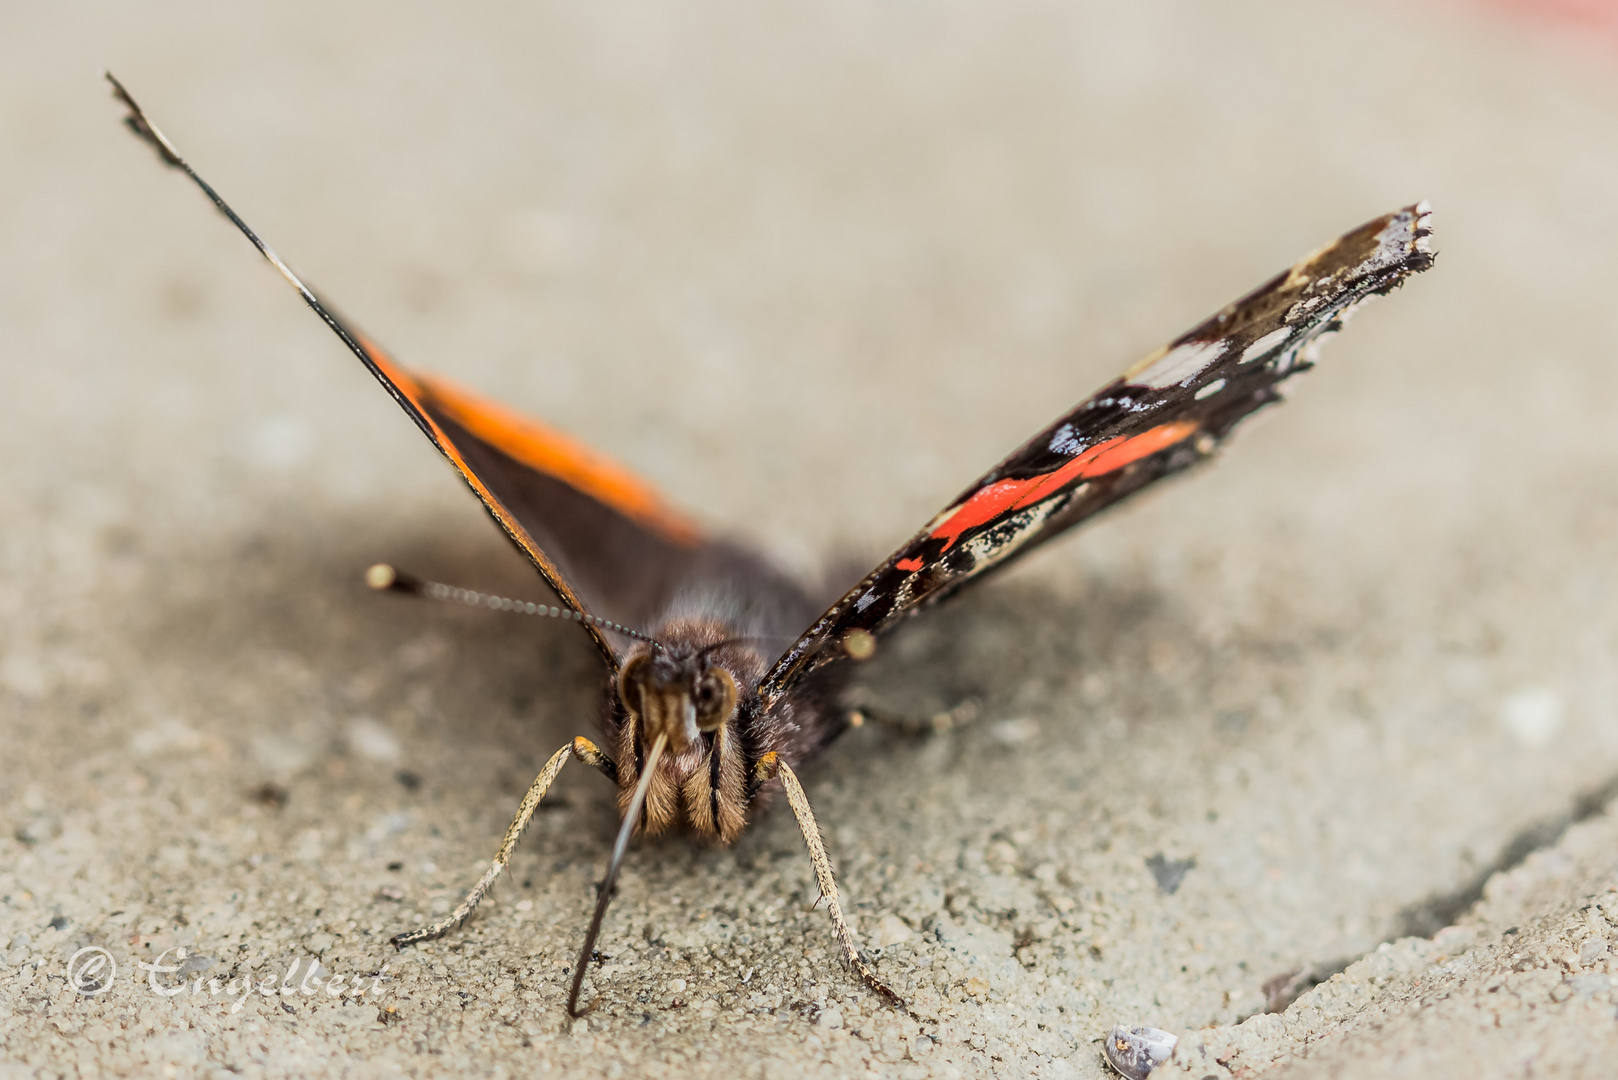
704 720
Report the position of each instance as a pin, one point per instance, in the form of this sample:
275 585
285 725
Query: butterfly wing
1164 414
603 539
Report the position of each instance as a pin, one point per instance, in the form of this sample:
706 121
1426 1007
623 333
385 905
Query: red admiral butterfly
701 720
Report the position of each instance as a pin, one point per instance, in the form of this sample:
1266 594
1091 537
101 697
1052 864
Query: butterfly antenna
619 846
385 578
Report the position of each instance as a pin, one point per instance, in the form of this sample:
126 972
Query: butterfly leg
589 753
581 748
770 766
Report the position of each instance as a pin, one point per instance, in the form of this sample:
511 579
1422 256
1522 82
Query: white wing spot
1265 344
1179 364
1064 442
1211 389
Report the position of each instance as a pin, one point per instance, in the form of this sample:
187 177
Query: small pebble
1135 1052
1590 985
892 930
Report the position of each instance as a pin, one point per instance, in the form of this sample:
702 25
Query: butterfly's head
689 694
680 696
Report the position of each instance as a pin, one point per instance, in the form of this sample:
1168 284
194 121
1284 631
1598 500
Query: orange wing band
544 449
567 459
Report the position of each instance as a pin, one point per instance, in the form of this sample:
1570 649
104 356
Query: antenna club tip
381 576
859 644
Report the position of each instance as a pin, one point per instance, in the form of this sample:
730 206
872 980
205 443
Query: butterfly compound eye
630 677
715 698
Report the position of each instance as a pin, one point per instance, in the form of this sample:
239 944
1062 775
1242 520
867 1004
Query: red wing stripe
1008 496
1114 454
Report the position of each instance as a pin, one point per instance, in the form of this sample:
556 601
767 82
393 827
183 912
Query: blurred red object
1598 15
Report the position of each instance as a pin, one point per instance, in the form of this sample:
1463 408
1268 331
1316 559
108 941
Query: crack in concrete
1427 917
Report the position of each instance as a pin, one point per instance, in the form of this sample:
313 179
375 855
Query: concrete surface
810 267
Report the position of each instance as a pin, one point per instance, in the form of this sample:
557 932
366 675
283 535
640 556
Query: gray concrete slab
1521 985
810 268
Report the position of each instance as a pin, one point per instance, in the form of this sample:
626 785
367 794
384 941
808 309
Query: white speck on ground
1533 716
371 740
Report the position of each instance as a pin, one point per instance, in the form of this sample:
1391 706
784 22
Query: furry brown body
706 781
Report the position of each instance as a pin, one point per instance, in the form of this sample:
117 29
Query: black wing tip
1405 247
1405 237
1372 260
136 122
1422 254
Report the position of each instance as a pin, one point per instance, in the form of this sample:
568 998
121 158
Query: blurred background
817 226
810 268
